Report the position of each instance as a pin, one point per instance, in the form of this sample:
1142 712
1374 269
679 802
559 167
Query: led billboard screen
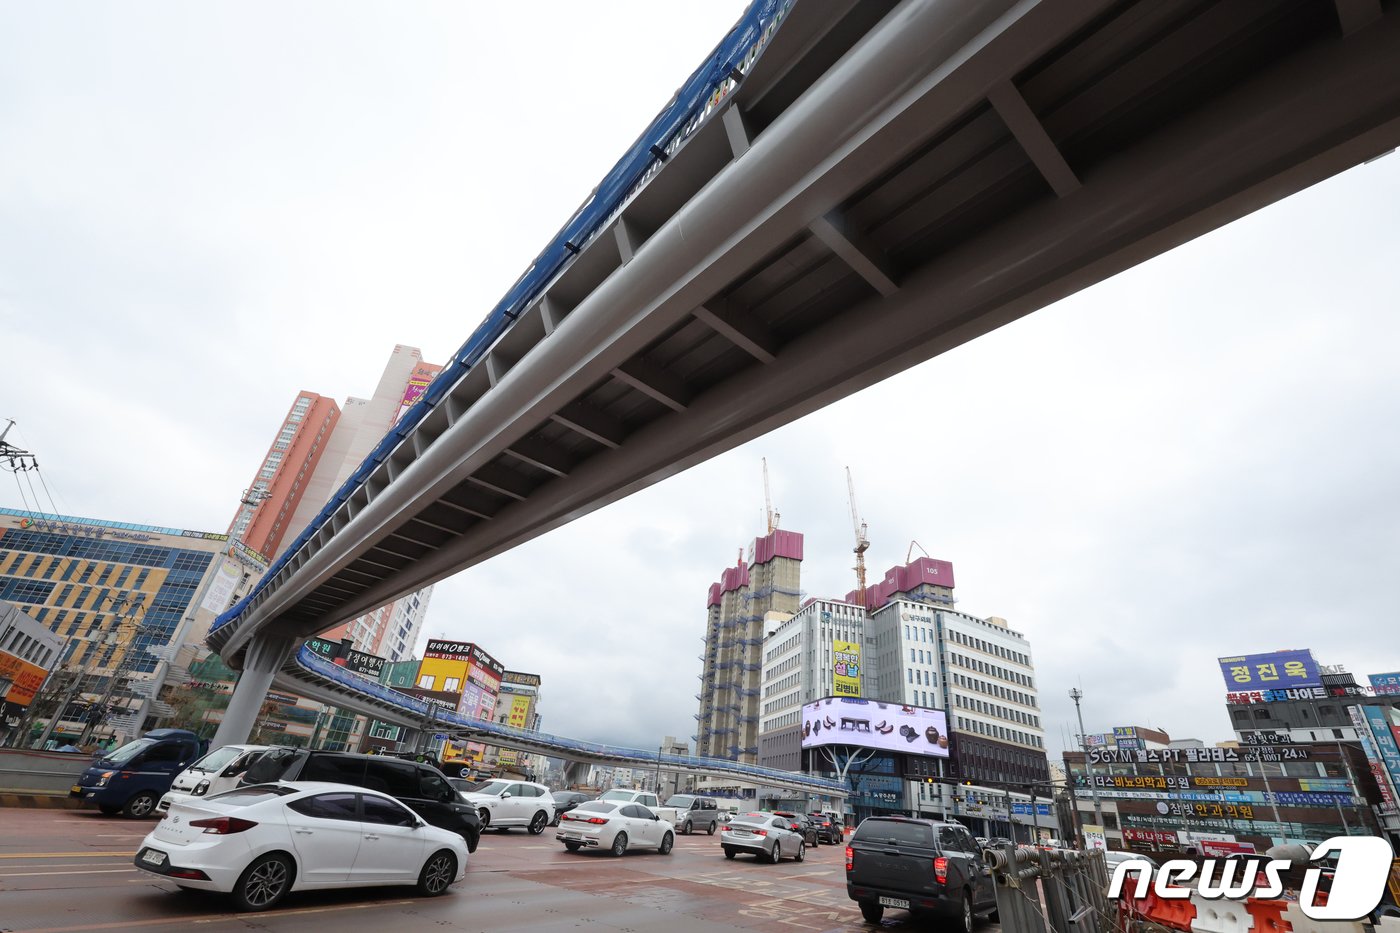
913 730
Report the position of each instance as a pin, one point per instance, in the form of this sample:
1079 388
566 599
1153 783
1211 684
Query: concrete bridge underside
887 182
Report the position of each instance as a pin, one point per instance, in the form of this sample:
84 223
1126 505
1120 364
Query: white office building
798 668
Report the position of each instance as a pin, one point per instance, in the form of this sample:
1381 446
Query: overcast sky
207 207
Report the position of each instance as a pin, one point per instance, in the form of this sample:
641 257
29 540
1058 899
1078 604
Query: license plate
77 789
894 902
153 857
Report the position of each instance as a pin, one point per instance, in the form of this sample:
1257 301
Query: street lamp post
1075 694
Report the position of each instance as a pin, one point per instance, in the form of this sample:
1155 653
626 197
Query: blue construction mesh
706 88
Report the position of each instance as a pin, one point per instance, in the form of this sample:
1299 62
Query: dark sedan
801 825
827 830
566 800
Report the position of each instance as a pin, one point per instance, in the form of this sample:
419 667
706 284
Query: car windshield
492 788
129 751
596 806
618 795
217 759
256 793
894 832
681 802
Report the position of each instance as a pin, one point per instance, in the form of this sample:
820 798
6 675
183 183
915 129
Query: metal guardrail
1059 891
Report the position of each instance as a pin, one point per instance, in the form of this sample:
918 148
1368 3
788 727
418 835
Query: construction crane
909 557
862 541
773 517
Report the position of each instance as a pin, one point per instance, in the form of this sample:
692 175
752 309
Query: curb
39 801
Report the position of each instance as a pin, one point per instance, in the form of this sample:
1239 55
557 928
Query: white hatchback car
502 803
262 841
614 825
216 772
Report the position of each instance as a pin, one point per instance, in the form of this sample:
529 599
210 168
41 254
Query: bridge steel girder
919 73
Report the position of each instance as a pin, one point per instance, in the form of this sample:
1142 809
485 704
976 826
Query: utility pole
121 667
1075 694
251 497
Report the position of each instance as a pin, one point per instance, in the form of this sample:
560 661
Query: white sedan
259 842
616 826
502 803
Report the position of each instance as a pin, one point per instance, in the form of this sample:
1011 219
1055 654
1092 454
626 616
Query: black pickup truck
924 866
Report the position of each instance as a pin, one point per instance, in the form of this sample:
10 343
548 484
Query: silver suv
694 813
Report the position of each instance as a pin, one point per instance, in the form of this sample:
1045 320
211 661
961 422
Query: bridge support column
266 654
575 773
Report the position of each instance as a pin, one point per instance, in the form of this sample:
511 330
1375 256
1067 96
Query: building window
425 682
452 684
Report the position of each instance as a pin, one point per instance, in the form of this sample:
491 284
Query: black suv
927 867
420 787
827 830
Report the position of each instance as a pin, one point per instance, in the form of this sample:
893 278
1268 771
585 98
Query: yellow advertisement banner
519 710
845 656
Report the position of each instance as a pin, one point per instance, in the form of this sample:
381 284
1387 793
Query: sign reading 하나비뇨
1274 669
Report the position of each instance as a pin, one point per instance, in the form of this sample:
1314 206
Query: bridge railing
434 717
706 88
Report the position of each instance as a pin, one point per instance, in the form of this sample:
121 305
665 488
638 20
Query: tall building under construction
751 598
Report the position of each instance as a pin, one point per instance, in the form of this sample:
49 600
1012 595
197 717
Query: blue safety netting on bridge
698 97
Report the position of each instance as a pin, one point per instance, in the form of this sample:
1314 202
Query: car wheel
776 855
438 872
538 822
263 883
140 806
571 846
801 852
619 845
108 810
728 853
485 815
871 911
966 912
667 841
711 830
687 828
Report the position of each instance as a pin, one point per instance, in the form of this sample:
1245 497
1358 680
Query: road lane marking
70 855
96 871
203 919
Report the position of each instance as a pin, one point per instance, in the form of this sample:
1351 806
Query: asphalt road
67 870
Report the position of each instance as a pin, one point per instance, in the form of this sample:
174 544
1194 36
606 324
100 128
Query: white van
216 772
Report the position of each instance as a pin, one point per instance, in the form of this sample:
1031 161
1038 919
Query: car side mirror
505 795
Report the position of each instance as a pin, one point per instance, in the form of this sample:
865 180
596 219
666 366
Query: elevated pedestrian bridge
313 676
843 189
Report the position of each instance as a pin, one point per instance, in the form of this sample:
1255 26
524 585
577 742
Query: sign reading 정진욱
1272 670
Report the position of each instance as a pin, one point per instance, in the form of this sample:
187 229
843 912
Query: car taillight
223 825
940 869
759 832
850 857
597 820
